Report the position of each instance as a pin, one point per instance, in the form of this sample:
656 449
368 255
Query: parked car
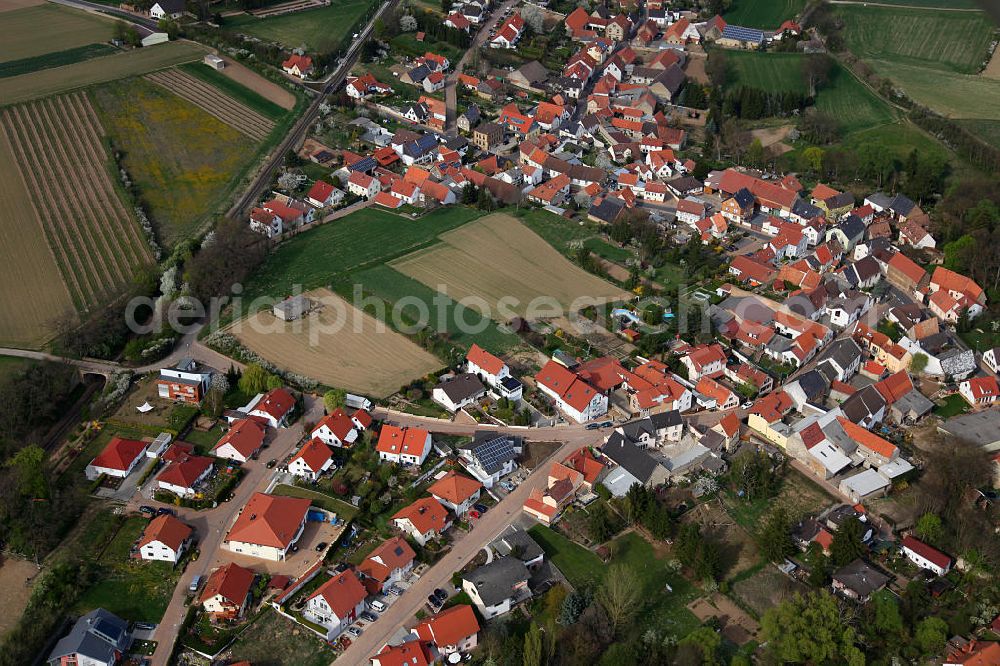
747 405
606 424
440 594
271 463
354 631
433 601
474 514
195 583
321 546
369 616
165 511
144 626
148 510
378 605
395 591
593 426
507 485
345 642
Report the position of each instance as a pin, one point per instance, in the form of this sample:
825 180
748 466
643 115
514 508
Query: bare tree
620 595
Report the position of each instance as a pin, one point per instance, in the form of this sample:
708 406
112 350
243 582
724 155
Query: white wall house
337 604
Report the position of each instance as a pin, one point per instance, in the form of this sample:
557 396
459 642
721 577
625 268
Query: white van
378 605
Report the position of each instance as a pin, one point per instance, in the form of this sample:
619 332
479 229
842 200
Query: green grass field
237 91
398 290
953 405
330 253
184 161
935 4
320 30
133 589
953 41
55 59
899 139
843 97
47 28
608 251
965 96
765 14
557 231
666 610
343 510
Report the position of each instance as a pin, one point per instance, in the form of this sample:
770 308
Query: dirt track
14 591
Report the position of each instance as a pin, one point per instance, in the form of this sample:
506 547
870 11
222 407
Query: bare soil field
992 70
97 245
737 625
269 90
14 590
212 100
11 5
56 80
774 138
497 257
31 31
338 345
766 589
30 282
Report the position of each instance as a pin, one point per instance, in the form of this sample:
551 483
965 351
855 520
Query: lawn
799 496
97 70
582 567
411 297
134 589
35 31
184 161
343 510
319 30
608 251
204 440
952 405
55 59
560 233
965 96
332 252
236 90
956 42
764 14
406 43
276 641
843 97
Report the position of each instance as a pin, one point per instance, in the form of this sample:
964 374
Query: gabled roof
232 582
401 441
426 514
167 530
276 403
449 627
184 473
342 593
412 653
119 454
393 554
338 422
314 454
246 436
867 439
269 520
926 551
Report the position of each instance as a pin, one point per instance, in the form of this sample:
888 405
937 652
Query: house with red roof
584 462
456 491
324 195
454 629
363 185
925 556
546 505
974 653
389 563
904 273
274 407
424 520
572 395
117 459
405 446
458 22
244 440
980 391
953 293
875 450
767 414
312 460
337 429
493 371
715 395
184 475
268 526
298 65
751 271
226 595
411 653
165 539
359 87
337 603
704 361
509 32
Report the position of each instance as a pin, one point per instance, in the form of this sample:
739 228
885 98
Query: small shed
292 308
214 61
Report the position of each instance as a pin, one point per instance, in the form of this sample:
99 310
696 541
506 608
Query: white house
387 564
572 395
456 491
336 429
458 392
980 391
494 372
185 474
406 446
991 357
243 441
185 382
312 460
165 539
490 456
118 458
496 587
424 520
925 556
274 407
455 629
268 526
363 185
337 603
162 9
324 195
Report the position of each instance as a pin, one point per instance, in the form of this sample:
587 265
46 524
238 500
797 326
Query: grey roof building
858 580
497 586
99 637
633 466
980 428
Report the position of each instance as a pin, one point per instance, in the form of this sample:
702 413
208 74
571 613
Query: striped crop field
66 172
208 98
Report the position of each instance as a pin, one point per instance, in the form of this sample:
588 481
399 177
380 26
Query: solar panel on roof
742 34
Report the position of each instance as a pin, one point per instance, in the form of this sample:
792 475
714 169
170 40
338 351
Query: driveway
211 526
464 549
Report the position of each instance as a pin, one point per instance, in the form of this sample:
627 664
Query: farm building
292 308
214 61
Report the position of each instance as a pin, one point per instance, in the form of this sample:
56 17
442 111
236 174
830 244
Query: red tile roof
276 403
167 530
866 438
246 436
393 554
342 593
414 653
928 552
455 487
314 454
772 407
269 520
485 360
401 441
232 582
450 626
426 514
583 461
186 472
119 454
